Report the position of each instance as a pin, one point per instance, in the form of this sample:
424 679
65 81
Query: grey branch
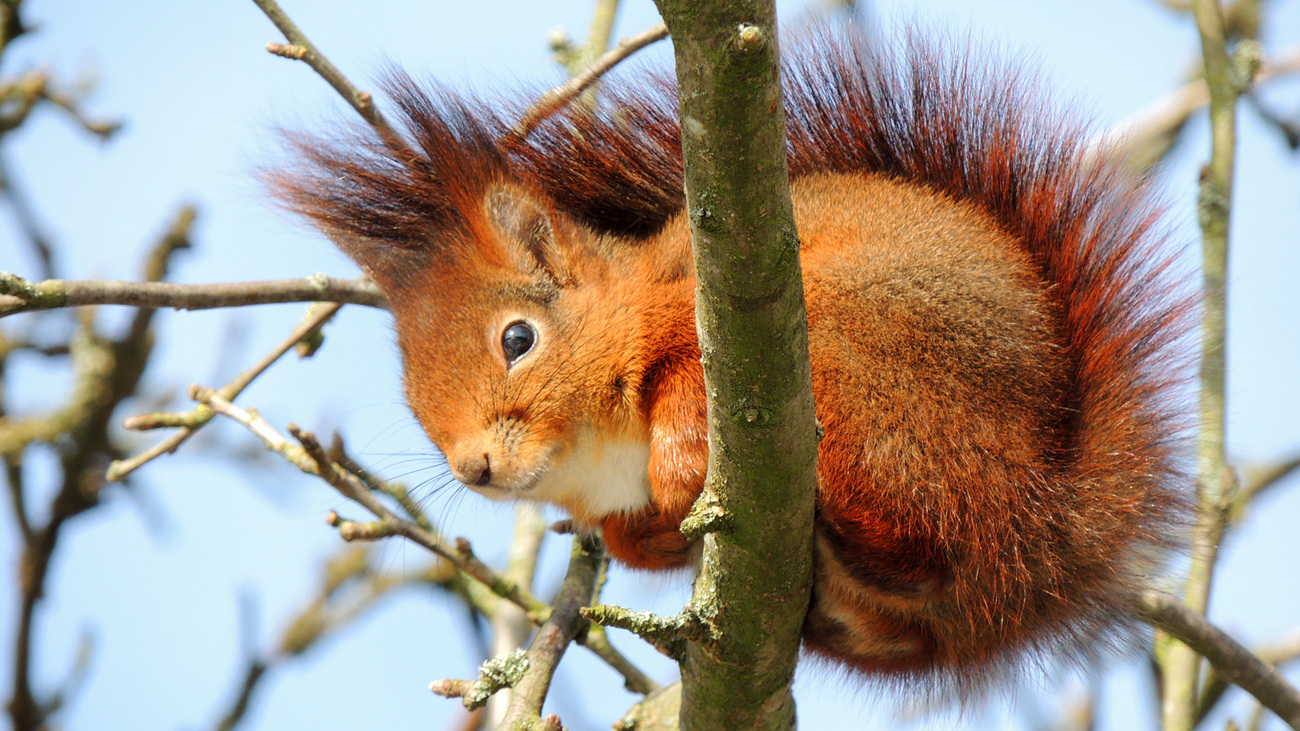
20 295
310 325
1282 652
310 457
555 634
1233 661
561 95
304 50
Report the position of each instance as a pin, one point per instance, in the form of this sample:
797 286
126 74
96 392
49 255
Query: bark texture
754 583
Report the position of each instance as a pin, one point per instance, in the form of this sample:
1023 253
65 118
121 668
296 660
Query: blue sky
156 574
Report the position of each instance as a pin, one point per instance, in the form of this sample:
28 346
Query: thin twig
304 50
19 295
1259 480
311 458
1233 661
307 53
331 610
556 98
312 323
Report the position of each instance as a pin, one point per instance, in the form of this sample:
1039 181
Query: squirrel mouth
529 481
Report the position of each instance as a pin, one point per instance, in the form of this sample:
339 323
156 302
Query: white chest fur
604 476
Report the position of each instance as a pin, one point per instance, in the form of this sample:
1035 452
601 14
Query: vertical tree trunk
754 584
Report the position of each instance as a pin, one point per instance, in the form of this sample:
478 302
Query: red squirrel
992 328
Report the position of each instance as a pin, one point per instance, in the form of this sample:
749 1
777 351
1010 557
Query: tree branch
1143 139
1232 661
19 295
1258 480
510 625
304 50
1277 654
756 573
105 372
310 457
562 95
192 421
1214 478
554 636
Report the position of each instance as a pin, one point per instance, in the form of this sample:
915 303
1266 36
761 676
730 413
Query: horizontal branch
667 634
494 675
20 295
1233 661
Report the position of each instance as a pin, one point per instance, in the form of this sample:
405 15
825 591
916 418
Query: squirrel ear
527 233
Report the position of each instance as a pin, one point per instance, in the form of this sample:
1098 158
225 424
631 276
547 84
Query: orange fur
991 335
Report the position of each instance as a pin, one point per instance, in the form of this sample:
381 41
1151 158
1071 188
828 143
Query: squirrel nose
475 471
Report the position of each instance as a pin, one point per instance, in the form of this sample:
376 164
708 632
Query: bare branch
734 145
1233 661
310 457
105 372
19 295
1260 479
193 420
1144 138
493 675
510 625
1226 77
1277 654
21 95
634 680
557 98
667 634
304 50
554 636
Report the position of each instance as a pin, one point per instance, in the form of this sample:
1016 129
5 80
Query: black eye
517 340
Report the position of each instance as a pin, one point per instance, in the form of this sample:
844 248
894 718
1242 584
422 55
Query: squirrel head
520 349
488 345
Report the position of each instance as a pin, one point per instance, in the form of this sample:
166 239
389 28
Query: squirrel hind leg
876 627
867 637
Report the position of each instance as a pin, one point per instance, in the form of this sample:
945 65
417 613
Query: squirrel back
992 334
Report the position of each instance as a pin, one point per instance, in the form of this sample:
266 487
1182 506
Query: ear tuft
527 232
